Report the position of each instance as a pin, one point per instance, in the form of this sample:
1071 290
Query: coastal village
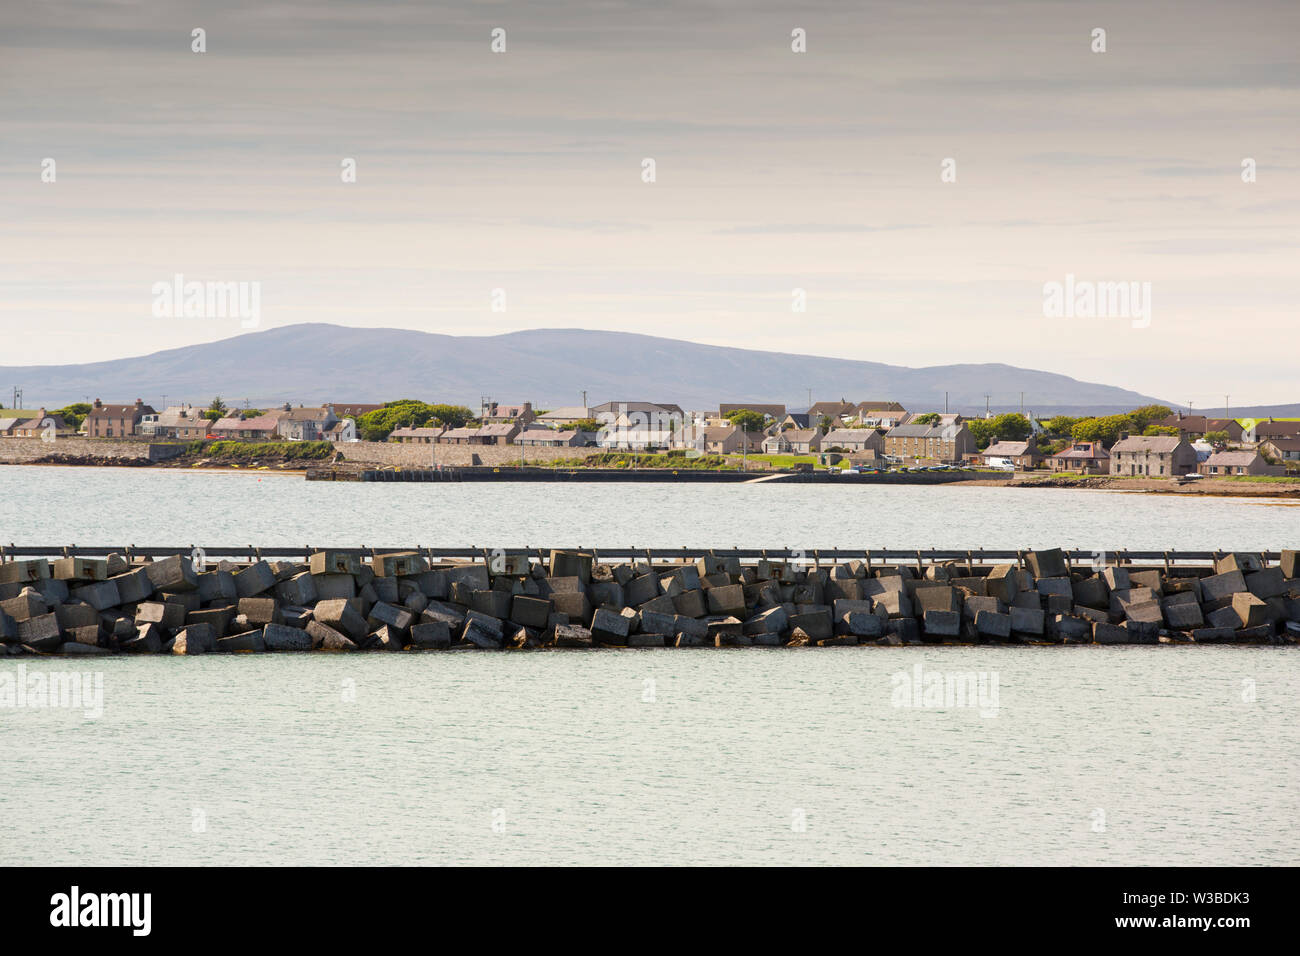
1151 442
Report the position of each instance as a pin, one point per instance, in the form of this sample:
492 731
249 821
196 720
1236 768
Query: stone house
794 441
38 426
1198 426
1243 462
496 433
415 436
1152 456
1022 454
555 438
855 441
1081 458
950 442
305 424
115 421
1283 449
176 421
258 428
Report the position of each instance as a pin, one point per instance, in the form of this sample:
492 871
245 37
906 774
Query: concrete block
165 614
175 574
326 638
1290 564
333 587
195 639
993 624
343 617
817 624
81 569
1222 585
609 627
1071 629
1103 633
656 622
260 610
76 615
564 564
571 635
1003 582
1250 609
247 642
24 570
279 637
1025 620
530 611
1242 562
132 586
860 624
1183 615
1047 564
432 634
399 563
691 603
334 562
894 603
774 620
1092 591
253 580
42 632
1223 617
728 599
939 598
218 585
1270 582
26 605
148 640
299 590
942 623
1116 578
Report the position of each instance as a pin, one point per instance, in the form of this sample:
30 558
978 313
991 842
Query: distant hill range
314 363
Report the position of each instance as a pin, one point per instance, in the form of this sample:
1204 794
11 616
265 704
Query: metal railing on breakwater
1090 557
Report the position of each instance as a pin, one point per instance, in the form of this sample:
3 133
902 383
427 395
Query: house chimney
288 407
1123 435
139 402
98 403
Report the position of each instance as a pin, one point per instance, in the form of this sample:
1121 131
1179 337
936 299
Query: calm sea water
108 506
1095 755
1129 755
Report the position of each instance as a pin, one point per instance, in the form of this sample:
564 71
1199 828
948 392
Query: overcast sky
775 170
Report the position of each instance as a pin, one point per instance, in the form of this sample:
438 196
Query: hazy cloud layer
775 171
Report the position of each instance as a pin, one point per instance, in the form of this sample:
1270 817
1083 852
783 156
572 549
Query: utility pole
1226 414
945 403
1022 404
986 404
584 402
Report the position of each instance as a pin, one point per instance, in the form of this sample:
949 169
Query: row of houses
1162 456
327 422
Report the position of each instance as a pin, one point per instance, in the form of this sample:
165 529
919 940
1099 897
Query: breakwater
92 601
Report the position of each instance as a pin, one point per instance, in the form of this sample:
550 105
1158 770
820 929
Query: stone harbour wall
425 456
344 600
24 450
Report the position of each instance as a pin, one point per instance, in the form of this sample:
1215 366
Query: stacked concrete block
343 601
